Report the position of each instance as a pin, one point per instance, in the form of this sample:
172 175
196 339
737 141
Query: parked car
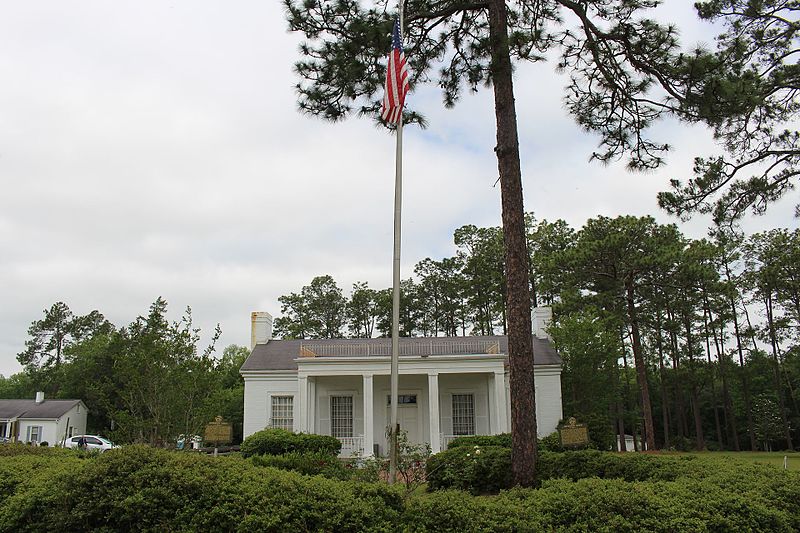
93 442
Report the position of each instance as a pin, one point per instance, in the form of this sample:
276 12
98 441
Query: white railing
446 439
418 347
352 446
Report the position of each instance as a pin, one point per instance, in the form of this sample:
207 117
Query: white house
449 386
41 420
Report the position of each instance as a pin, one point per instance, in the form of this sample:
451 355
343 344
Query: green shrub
280 441
137 488
503 439
550 443
316 463
480 469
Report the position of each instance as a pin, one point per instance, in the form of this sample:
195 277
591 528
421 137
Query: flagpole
398 202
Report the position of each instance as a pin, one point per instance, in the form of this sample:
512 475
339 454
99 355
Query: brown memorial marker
219 432
573 434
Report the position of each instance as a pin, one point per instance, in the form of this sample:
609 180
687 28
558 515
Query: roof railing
418 347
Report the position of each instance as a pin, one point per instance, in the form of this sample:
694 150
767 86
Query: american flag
396 80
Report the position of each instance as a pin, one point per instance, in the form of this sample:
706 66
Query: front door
407 417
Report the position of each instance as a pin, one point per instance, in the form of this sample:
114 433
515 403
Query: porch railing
446 439
352 446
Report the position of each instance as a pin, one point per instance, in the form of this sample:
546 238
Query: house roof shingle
282 354
31 409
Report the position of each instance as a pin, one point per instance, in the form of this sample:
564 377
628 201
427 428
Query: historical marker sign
573 434
219 432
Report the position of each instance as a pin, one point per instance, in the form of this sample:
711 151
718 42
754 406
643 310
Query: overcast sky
153 148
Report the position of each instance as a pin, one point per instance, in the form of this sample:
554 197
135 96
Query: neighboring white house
449 386
41 420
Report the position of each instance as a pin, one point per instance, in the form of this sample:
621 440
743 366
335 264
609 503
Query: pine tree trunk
745 381
727 402
714 400
520 342
777 371
641 369
694 397
682 429
662 373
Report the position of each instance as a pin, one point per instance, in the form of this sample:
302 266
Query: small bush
280 442
316 463
480 469
503 439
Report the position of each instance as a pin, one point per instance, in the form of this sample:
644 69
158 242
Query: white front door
407 417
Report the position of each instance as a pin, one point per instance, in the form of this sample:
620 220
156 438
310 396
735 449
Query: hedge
551 443
143 489
280 442
601 505
316 463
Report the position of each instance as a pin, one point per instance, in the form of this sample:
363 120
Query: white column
369 416
311 421
302 403
500 401
433 411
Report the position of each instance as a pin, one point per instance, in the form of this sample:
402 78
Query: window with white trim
463 414
34 434
341 416
282 412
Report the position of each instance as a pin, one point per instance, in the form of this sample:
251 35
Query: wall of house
475 384
49 430
76 418
53 430
548 400
258 392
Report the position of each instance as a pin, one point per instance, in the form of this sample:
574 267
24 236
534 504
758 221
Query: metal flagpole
394 427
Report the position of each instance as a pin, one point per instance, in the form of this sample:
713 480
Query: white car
93 442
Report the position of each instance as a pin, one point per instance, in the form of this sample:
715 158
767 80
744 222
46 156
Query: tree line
687 343
146 382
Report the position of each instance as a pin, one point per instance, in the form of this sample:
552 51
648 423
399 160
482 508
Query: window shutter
324 414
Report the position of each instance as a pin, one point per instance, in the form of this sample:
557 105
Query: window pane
283 412
403 399
342 416
463 414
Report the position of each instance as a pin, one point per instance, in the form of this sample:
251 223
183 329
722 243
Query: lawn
770 458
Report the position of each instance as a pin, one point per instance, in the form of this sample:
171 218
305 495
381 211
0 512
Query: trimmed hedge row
550 443
317 464
143 489
602 505
280 442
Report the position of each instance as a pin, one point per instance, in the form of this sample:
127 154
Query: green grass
770 458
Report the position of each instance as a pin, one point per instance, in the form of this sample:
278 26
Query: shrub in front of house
477 469
550 443
138 488
602 505
317 463
503 439
280 442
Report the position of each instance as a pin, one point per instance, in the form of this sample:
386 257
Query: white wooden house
449 386
41 420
